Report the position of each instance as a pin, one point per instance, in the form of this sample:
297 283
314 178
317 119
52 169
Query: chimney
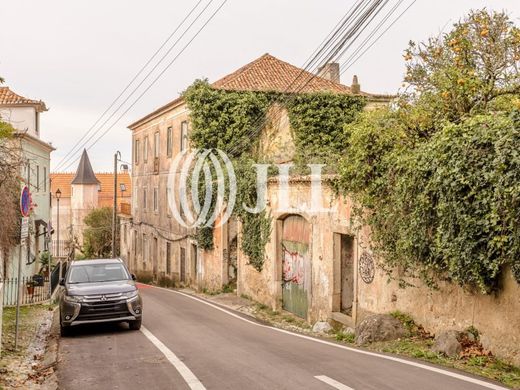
355 87
330 71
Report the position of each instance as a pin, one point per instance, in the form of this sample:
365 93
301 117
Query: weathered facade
152 241
24 115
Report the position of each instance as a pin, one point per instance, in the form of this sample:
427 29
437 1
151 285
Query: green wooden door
296 268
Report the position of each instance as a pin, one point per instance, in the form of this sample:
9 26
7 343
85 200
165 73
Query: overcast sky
77 56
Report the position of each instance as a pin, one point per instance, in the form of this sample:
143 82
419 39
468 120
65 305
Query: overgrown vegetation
232 122
10 167
97 236
437 175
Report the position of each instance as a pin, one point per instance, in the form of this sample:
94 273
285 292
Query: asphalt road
187 342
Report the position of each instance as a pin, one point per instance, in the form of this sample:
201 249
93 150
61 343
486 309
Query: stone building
81 192
155 243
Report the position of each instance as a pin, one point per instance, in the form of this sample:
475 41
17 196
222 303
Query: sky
77 56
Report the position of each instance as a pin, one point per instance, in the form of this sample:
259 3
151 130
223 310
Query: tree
97 236
472 69
436 177
10 164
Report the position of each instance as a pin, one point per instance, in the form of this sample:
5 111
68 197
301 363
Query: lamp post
58 196
117 157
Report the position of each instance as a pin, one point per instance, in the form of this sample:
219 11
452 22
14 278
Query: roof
96 261
63 181
9 98
31 138
268 73
85 173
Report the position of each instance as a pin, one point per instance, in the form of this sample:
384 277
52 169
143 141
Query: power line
349 63
153 81
130 83
64 161
349 32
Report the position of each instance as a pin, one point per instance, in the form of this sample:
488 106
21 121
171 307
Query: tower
84 194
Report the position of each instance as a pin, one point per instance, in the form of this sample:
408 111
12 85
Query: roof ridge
286 83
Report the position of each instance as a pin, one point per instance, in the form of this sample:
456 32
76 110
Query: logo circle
212 168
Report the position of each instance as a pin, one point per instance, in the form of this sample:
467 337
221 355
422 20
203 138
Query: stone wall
497 317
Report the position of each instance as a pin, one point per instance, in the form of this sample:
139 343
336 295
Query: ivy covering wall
232 121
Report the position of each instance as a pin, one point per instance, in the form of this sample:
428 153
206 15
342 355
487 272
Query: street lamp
58 196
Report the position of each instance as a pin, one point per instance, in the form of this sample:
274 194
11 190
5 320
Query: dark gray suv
96 291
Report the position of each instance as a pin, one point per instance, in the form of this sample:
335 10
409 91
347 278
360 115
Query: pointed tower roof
85 173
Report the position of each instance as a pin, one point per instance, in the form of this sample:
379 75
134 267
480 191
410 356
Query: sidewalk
27 367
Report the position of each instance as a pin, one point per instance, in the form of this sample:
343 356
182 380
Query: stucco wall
21 118
496 316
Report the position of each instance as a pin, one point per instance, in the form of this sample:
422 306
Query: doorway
155 257
296 265
183 265
347 274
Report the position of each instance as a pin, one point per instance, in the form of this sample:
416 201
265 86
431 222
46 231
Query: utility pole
25 213
117 157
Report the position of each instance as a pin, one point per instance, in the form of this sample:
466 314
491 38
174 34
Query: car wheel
134 325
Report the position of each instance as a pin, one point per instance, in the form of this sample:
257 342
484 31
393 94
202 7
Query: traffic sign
25 202
24 233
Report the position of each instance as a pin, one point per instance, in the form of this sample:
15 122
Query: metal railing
60 247
33 290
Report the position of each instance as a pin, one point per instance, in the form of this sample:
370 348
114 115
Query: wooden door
296 265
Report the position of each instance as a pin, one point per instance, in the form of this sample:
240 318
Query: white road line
333 383
185 372
360 351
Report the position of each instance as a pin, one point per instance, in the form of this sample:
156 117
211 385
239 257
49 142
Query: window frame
156 199
184 136
136 151
145 149
169 141
156 144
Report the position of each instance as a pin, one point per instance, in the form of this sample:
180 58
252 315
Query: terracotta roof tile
268 73
106 180
9 98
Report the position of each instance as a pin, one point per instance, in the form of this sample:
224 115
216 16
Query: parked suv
95 291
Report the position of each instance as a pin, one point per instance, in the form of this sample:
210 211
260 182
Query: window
136 151
184 135
144 199
37 178
168 192
145 150
155 199
156 145
144 251
168 258
169 140
44 179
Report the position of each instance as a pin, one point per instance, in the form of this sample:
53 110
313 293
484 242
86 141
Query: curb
49 361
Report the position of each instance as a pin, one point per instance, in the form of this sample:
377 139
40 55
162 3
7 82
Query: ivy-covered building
299 118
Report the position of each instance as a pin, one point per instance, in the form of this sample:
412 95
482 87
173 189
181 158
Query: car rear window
97 273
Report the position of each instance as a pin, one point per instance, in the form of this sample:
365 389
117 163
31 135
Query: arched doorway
296 265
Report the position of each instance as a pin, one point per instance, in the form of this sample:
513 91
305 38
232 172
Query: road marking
360 351
182 368
333 383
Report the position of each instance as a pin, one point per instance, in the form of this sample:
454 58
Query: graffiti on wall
293 266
